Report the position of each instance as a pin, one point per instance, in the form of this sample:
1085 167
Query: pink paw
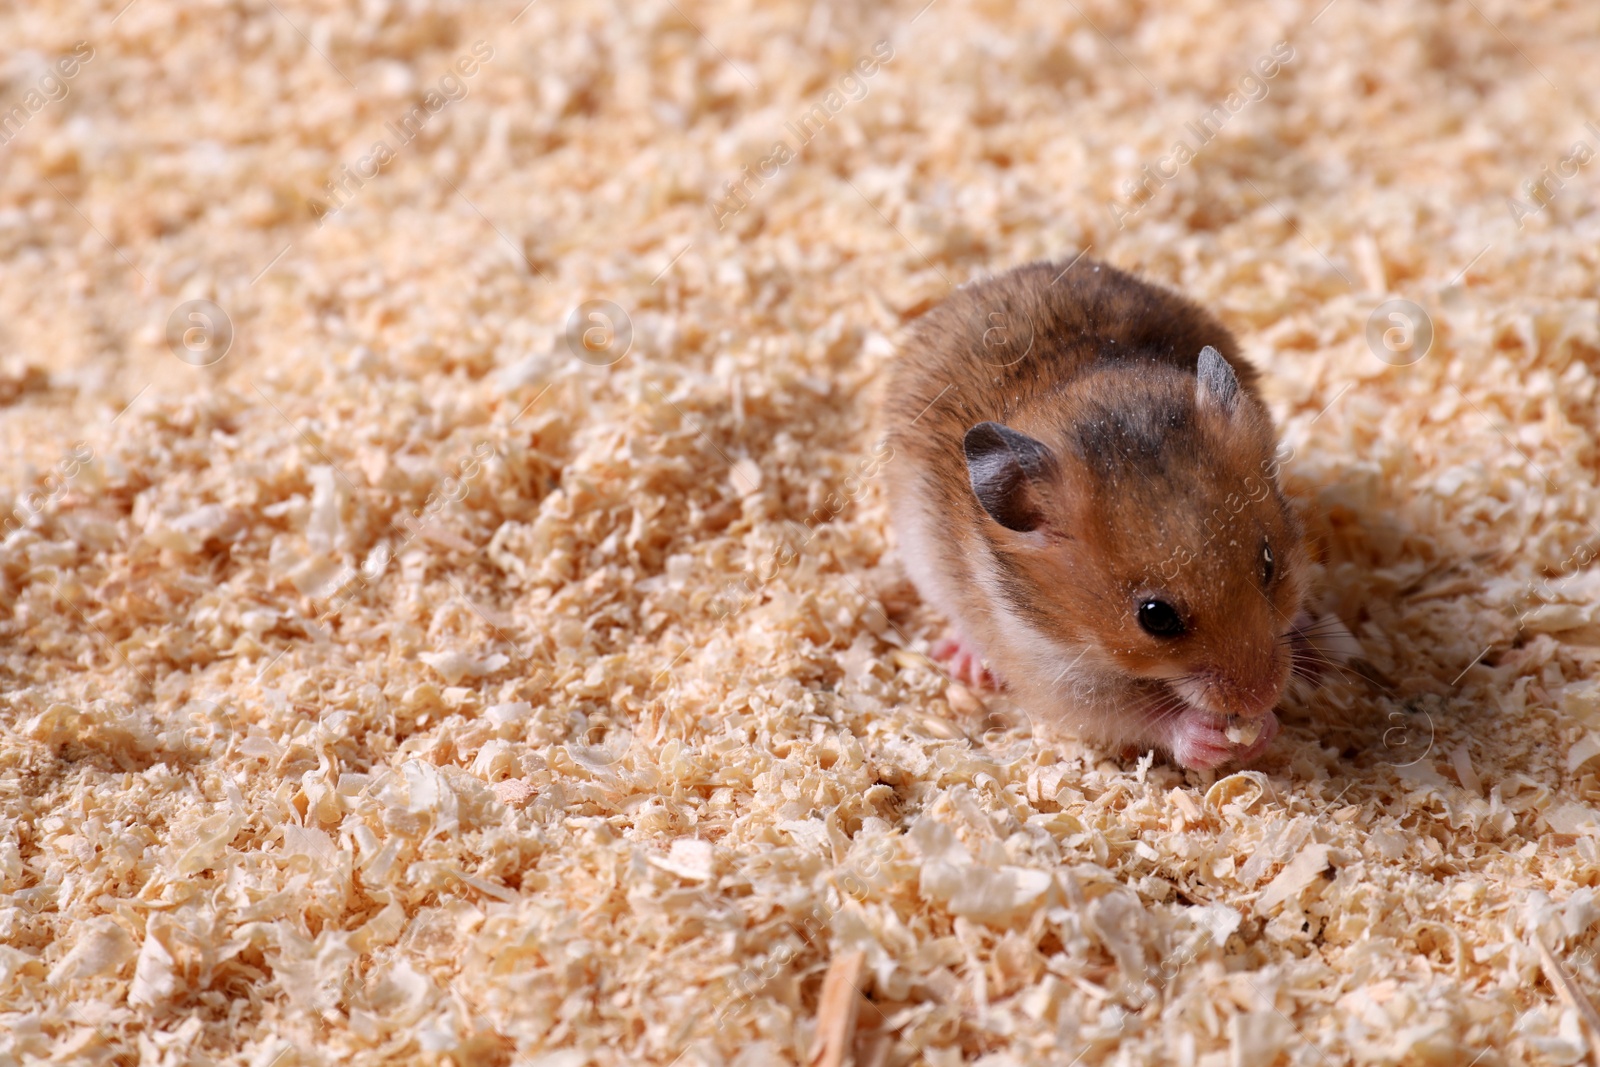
962 661
1198 741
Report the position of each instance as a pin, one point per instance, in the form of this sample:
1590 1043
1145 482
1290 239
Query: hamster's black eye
1160 618
1267 569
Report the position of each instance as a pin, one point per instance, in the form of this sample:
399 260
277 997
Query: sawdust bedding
401 688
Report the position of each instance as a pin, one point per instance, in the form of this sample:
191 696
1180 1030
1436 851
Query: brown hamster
1089 493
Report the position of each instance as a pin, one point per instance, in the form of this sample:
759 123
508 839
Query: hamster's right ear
1217 384
1008 471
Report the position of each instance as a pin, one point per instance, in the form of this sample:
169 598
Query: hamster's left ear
1008 471
1217 386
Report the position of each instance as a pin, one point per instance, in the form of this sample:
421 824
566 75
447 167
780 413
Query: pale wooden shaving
1243 731
404 689
1461 760
1587 748
1300 873
1574 997
689 858
963 701
1186 804
514 792
838 1007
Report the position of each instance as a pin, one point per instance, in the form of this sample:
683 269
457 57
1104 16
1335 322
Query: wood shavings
1573 819
153 979
103 948
1461 760
689 858
980 893
1300 873
1574 997
1258 1037
963 701
1239 791
404 687
1587 748
745 476
837 1009
514 792
1243 731
454 665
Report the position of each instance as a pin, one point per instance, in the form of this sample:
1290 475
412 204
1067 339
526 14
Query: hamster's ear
1008 471
1217 385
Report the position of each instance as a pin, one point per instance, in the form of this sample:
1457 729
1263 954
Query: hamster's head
1137 518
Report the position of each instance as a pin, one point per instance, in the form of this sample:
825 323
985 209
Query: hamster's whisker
1164 704
1308 663
1308 634
1301 654
1301 646
1330 629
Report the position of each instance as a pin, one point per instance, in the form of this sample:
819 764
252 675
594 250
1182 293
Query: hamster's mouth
1200 739
1194 695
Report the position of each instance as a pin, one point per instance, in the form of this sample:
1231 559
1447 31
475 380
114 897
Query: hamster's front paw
1198 741
962 660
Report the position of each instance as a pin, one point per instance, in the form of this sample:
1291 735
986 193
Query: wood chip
1185 803
514 792
1243 731
1461 760
963 701
422 684
837 1010
1300 873
1571 995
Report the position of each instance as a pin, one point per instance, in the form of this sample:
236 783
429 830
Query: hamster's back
995 345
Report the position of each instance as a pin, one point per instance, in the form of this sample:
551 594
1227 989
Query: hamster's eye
1160 618
1267 569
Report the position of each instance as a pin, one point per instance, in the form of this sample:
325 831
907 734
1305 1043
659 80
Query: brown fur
1154 492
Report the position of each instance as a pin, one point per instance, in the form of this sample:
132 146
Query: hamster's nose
1252 670
1253 693
1228 695
1250 702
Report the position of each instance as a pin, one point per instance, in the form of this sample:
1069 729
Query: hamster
1089 494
